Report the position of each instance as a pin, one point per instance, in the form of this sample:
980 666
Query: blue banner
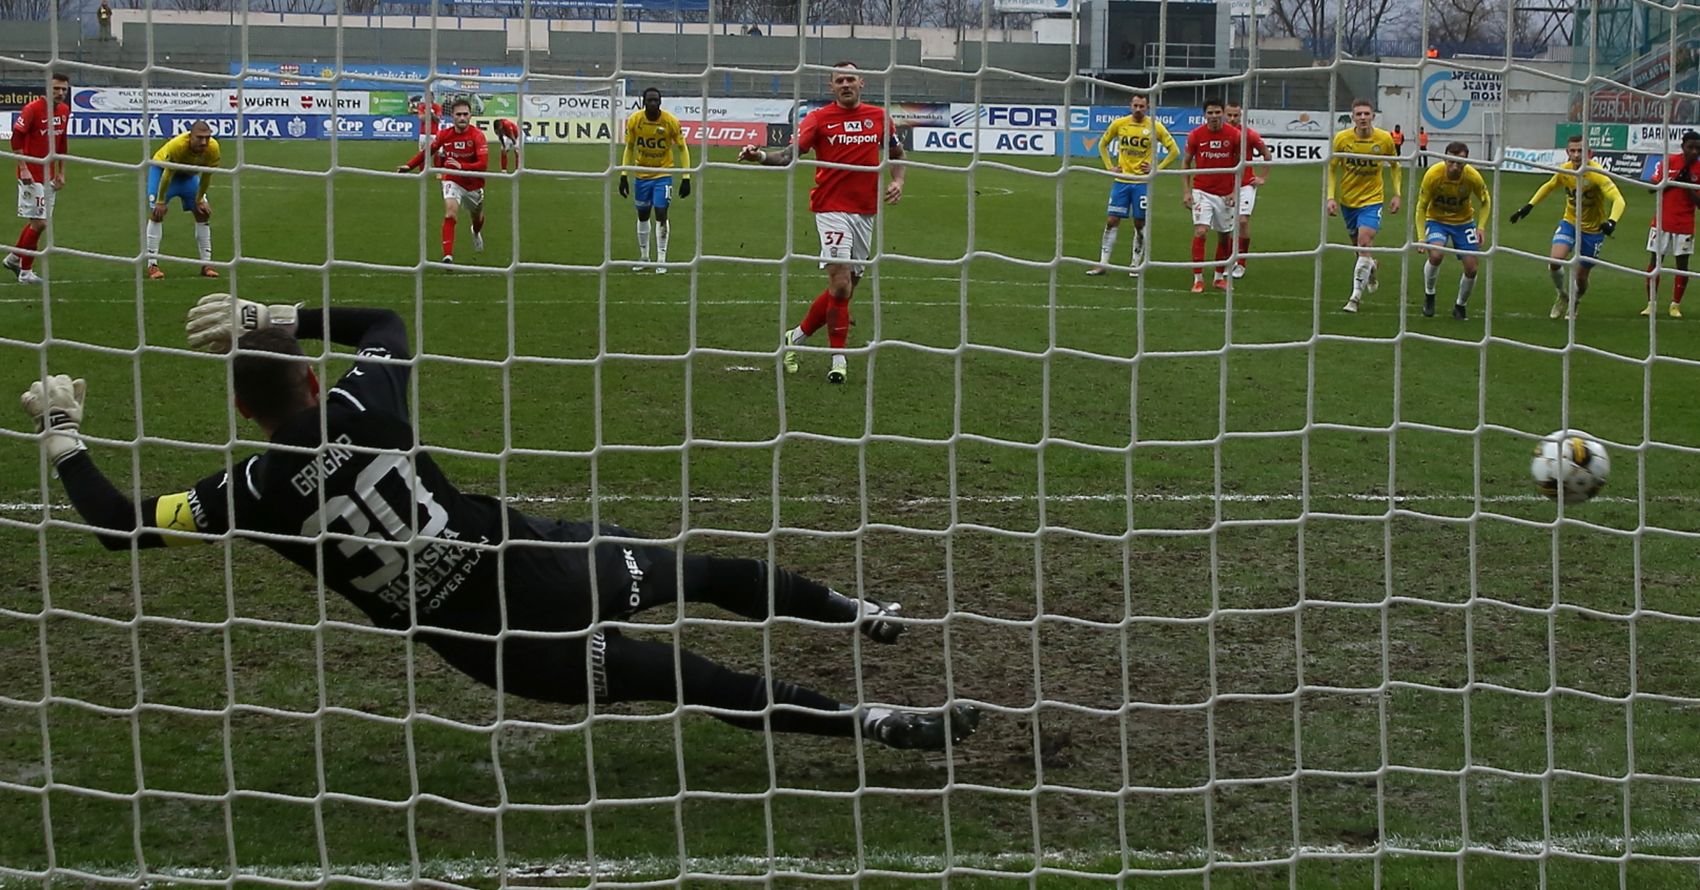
449 78
159 127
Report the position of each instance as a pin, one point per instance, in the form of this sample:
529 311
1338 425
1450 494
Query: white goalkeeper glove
55 406
218 320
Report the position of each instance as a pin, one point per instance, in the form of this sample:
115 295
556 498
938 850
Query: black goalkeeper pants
610 667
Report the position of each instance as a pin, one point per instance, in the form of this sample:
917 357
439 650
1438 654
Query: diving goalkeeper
344 491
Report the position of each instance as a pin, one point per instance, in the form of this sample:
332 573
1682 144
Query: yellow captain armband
175 513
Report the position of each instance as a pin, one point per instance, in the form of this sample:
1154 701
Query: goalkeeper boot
912 730
155 273
28 276
12 264
878 622
1458 312
1675 310
1428 305
789 357
840 370
209 272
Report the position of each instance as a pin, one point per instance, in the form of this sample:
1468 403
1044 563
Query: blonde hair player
1586 223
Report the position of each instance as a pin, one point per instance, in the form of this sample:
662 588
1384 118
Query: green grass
1358 642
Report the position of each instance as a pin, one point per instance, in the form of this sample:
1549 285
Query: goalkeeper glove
1608 227
1521 212
55 406
625 187
218 320
685 188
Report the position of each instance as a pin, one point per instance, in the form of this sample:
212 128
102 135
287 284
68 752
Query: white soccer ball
1571 462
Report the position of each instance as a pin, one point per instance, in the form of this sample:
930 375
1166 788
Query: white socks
1558 280
1361 272
643 239
1138 245
154 230
1431 277
203 240
1107 245
662 230
1466 283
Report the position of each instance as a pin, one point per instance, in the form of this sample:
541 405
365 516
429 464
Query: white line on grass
1680 844
1105 498
1208 304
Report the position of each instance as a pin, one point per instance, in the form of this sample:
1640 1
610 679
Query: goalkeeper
344 490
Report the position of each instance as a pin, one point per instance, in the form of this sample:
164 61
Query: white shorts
1661 242
1248 199
508 142
1212 211
473 201
35 200
845 238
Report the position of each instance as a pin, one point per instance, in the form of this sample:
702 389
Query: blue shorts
1463 236
1365 217
186 188
657 193
1591 243
1129 199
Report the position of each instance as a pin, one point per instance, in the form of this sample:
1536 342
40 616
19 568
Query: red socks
448 236
1676 295
1197 254
1224 249
817 314
1245 247
28 240
838 323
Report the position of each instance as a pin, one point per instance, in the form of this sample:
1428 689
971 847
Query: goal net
1248 588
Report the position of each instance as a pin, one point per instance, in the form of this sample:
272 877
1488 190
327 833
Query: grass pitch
1258 593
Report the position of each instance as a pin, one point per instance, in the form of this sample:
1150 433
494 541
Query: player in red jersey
35 134
507 135
458 149
1249 183
1214 146
1673 221
850 132
430 119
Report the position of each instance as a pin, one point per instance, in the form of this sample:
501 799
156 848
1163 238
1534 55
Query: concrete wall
1535 100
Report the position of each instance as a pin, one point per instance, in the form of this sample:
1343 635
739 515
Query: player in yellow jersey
1135 137
1585 218
653 137
183 179
1452 198
1358 164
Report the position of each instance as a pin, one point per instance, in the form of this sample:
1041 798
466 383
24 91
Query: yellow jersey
1453 202
1360 177
651 143
1587 211
177 151
1136 146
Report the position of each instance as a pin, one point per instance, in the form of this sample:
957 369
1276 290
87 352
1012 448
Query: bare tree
1308 20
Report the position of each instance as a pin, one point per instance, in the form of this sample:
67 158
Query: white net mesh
1249 588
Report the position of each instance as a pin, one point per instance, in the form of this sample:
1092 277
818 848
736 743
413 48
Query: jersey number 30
384 495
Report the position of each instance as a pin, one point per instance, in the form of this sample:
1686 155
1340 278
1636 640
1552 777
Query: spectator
104 15
755 31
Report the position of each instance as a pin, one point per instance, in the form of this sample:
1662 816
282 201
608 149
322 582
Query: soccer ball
1572 462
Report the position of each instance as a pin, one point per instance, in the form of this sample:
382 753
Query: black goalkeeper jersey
392 532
